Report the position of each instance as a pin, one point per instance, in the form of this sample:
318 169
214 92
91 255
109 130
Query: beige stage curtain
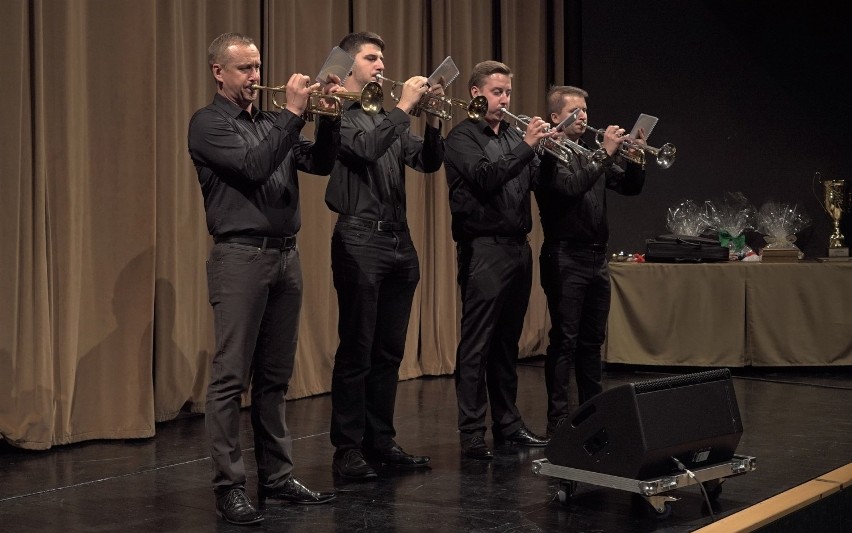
106 328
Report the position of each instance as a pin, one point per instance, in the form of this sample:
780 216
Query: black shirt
368 180
490 177
247 164
572 199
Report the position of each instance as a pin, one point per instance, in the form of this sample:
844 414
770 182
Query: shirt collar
485 128
232 109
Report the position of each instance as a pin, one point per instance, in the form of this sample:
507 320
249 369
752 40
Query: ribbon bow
738 241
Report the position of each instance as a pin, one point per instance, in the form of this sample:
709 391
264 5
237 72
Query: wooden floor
797 423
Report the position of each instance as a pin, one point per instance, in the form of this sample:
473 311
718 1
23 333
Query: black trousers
577 286
375 275
256 296
495 277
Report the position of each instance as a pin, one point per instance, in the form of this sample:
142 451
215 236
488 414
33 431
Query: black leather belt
378 225
503 239
281 243
575 245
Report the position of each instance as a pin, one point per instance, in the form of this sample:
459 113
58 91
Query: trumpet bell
666 155
371 97
442 106
477 108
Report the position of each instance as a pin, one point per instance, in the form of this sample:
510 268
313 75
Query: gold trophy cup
834 204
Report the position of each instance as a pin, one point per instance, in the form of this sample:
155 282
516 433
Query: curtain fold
107 328
183 341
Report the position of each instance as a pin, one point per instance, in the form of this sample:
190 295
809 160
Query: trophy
834 203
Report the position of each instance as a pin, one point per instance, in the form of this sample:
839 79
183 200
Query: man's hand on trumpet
331 84
634 145
329 87
537 129
412 91
613 136
299 89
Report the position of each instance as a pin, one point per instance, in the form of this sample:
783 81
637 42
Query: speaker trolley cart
651 490
652 437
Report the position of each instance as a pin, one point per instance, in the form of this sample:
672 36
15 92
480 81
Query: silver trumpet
664 155
441 106
560 149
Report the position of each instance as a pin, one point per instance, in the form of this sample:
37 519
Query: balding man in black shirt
246 160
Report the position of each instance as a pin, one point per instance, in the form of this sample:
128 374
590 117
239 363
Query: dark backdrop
756 99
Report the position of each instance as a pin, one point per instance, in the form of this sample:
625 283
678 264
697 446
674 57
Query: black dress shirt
572 199
490 177
368 180
247 164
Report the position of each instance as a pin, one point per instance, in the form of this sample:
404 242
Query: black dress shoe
235 507
524 437
293 491
476 448
396 456
351 465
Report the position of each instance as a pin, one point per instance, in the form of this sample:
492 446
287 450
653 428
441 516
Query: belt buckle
381 225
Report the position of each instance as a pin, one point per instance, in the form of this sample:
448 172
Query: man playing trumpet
246 160
491 168
573 261
374 263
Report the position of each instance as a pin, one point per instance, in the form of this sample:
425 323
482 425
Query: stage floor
797 423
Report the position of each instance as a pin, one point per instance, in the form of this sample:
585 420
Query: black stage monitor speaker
634 430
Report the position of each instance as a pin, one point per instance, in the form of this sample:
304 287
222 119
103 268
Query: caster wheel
566 491
653 506
665 513
714 489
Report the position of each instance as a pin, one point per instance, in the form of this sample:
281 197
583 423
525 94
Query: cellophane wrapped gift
779 223
687 218
731 216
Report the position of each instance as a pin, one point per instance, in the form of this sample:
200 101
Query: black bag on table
684 249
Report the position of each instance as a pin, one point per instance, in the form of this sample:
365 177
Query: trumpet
370 98
664 155
560 149
441 106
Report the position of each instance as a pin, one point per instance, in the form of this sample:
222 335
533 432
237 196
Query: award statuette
834 204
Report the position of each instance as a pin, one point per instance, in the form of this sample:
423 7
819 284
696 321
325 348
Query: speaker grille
672 382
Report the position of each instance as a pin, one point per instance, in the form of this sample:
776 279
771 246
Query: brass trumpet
664 155
370 98
441 106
